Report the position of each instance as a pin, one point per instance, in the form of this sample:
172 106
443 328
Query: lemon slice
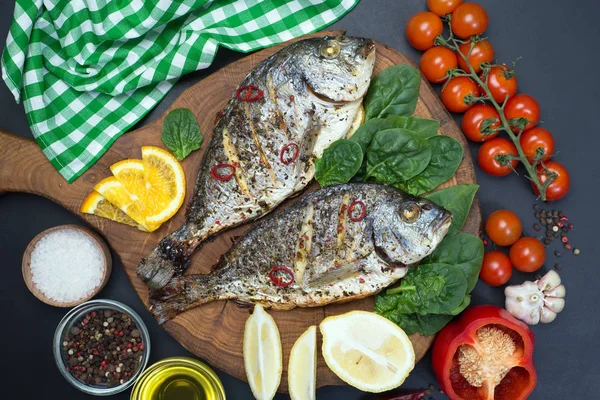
359 119
262 354
302 368
164 184
97 205
367 351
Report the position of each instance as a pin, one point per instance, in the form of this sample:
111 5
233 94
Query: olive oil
178 378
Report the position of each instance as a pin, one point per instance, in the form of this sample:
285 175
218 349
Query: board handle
24 168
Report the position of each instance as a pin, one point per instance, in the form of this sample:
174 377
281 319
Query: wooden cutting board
214 331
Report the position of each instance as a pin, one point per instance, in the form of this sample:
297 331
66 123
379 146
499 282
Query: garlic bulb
539 301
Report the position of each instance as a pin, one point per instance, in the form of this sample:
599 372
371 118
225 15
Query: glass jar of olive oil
178 378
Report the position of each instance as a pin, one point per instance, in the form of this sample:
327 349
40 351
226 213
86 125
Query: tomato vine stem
453 44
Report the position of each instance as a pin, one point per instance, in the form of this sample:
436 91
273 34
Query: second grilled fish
285 112
337 244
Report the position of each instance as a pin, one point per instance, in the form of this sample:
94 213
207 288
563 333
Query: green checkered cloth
88 70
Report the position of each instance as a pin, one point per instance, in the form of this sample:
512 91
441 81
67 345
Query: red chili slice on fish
252 94
275 276
294 155
363 211
215 171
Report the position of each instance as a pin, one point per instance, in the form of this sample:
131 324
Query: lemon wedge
302 368
262 354
359 119
97 205
367 351
164 184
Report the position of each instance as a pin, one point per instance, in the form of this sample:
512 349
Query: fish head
410 230
338 69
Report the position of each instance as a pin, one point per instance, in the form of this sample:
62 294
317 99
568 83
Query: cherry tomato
436 62
454 93
469 19
527 254
488 153
502 82
536 138
482 52
503 227
474 117
496 269
422 29
559 186
442 7
523 106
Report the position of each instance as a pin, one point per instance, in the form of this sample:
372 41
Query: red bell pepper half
485 355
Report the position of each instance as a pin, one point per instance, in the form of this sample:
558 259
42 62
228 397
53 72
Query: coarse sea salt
66 265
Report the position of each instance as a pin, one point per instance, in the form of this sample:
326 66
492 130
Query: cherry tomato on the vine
523 106
442 7
491 153
536 138
454 93
496 269
482 52
559 187
422 29
527 254
436 62
473 119
469 19
503 227
502 83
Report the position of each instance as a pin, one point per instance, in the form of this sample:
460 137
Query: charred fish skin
334 253
311 92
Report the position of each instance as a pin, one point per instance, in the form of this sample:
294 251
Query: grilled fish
285 113
336 244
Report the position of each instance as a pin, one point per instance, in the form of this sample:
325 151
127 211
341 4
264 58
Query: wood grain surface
213 331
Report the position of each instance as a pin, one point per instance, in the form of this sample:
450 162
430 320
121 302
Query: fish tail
181 294
170 257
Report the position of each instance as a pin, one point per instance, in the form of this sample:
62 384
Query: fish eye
410 213
330 49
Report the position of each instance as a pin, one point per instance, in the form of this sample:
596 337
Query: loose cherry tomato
442 7
503 227
473 119
422 29
527 254
496 269
469 19
536 138
482 52
454 93
491 154
523 106
559 186
436 62
502 83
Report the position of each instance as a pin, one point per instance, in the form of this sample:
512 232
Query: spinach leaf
394 91
446 155
423 127
408 322
340 162
431 324
430 289
396 155
462 250
456 199
181 133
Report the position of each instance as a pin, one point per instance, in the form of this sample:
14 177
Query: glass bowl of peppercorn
101 347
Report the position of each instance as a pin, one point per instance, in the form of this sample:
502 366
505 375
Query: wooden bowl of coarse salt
66 265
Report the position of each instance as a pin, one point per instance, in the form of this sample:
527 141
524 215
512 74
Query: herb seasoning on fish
312 253
287 111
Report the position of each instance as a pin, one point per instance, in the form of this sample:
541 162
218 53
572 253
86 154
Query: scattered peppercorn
557 253
576 251
568 246
91 348
536 227
557 266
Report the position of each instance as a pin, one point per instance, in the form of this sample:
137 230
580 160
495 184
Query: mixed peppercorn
557 226
103 348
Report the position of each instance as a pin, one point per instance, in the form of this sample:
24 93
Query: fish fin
170 257
181 294
342 272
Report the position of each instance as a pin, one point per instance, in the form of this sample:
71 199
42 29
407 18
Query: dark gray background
558 40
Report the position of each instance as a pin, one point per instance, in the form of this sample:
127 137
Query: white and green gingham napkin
87 70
